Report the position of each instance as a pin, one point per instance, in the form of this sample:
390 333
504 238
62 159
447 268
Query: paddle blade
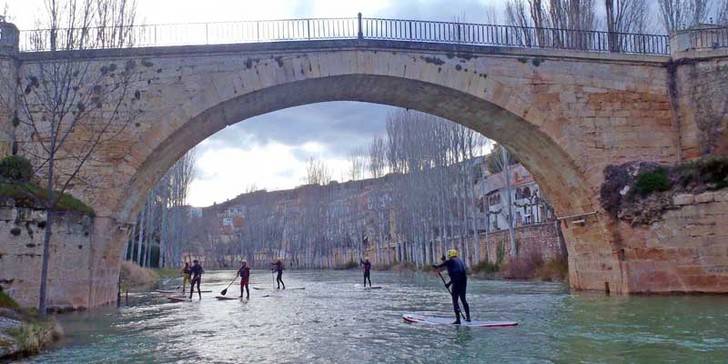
223 292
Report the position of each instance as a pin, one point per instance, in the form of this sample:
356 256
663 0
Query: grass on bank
33 336
7 302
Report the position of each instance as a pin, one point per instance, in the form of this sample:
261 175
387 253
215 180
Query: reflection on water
335 321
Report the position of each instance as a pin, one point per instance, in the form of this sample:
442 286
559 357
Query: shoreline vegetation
529 268
23 332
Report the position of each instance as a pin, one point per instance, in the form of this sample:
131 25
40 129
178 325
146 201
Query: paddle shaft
449 291
224 291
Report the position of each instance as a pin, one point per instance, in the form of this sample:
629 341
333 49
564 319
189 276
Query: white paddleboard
439 320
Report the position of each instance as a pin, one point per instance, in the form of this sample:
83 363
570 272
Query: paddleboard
168 291
223 298
439 320
177 299
287 289
375 287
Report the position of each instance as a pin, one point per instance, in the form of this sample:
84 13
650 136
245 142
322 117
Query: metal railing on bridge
349 28
707 37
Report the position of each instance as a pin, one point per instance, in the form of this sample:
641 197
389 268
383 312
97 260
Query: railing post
360 33
207 34
257 31
308 28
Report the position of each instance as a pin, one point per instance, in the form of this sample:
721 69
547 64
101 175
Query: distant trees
317 173
163 226
682 14
619 18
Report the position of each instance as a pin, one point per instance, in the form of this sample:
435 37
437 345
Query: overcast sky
270 151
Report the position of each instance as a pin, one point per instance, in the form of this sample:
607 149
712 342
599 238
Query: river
335 321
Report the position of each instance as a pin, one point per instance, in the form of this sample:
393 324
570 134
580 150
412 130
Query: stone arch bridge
566 114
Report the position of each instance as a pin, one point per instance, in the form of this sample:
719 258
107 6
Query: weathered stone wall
7 111
538 239
701 90
687 251
21 246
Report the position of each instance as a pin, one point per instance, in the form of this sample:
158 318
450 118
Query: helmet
452 253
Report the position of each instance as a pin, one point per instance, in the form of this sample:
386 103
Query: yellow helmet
452 253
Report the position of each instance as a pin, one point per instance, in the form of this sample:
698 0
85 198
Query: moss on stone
31 196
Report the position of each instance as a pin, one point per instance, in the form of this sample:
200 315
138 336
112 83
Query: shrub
523 267
486 267
15 168
6 301
132 275
349 265
652 181
556 269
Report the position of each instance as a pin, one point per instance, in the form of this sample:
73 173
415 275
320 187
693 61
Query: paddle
224 291
449 291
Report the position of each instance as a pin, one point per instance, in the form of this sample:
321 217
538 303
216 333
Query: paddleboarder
186 276
196 272
458 282
367 268
278 268
244 273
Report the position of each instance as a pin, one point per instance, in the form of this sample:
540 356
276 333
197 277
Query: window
494 199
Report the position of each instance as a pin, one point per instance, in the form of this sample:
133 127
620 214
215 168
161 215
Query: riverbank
529 268
22 332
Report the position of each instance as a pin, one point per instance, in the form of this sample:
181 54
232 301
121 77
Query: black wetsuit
244 273
196 271
278 268
367 268
458 284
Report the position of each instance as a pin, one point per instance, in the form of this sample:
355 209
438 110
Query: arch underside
551 166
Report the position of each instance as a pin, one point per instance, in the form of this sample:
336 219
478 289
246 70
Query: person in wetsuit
196 272
278 268
244 273
186 271
458 283
367 268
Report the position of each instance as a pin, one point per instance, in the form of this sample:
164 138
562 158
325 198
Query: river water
335 321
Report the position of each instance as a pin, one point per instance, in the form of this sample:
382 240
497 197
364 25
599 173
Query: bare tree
568 18
722 13
317 173
357 164
377 158
68 107
624 16
682 14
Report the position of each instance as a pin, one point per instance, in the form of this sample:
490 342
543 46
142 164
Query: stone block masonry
21 247
541 240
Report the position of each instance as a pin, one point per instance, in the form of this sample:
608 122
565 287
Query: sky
270 151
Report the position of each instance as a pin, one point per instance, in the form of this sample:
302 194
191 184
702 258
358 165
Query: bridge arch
550 164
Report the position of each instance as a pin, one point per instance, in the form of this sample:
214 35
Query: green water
335 321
